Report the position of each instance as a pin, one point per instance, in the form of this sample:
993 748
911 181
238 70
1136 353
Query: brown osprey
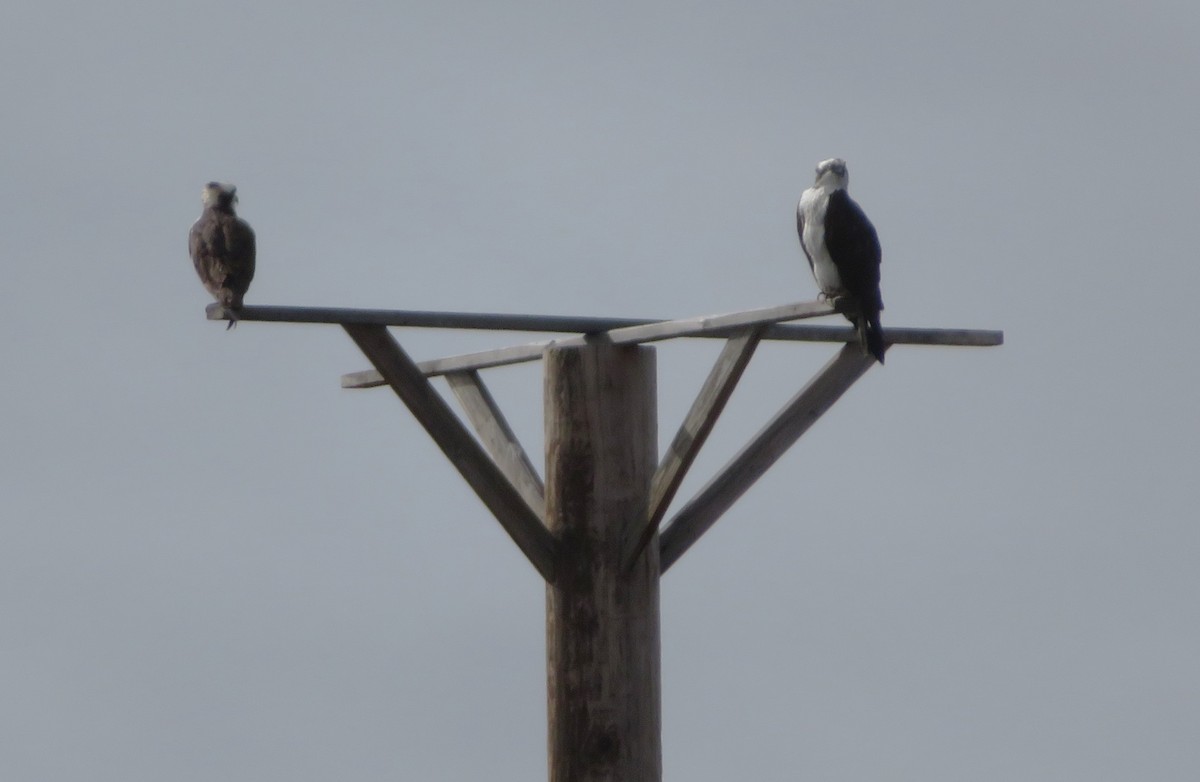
222 248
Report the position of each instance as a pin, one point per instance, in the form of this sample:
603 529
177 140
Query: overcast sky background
981 564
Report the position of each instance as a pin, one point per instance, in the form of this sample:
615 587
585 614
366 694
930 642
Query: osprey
222 248
843 252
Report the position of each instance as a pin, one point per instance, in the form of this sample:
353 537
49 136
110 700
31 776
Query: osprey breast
813 204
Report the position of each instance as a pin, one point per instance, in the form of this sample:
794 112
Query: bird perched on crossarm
843 252
222 248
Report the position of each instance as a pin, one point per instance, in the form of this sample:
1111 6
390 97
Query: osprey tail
231 301
870 334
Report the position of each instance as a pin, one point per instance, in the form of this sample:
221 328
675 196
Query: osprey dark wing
854 247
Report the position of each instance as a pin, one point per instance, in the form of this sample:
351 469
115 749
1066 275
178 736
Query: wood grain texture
757 456
498 437
694 431
602 631
472 462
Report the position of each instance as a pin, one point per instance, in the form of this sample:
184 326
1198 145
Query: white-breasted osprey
222 248
843 252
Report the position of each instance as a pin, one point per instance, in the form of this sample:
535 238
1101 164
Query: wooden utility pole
592 530
602 646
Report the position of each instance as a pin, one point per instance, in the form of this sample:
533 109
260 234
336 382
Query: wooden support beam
513 322
486 321
428 407
690 327
694 431
603 494
498 438
517 354
586 325
602 619
771 442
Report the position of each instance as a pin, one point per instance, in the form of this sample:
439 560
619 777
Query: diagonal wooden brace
694 431
522 524
771 442
498 437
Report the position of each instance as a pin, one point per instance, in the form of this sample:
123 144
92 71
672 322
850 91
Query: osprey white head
832 174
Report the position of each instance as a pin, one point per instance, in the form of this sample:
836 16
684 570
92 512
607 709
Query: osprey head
832 174
219 195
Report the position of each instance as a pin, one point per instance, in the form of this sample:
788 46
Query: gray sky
216 564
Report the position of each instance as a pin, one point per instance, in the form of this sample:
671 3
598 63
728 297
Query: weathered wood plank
757 456
515 354
694 431
498 438
787 332
480 472
602 620
593 325
486 321
516 322
686 327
